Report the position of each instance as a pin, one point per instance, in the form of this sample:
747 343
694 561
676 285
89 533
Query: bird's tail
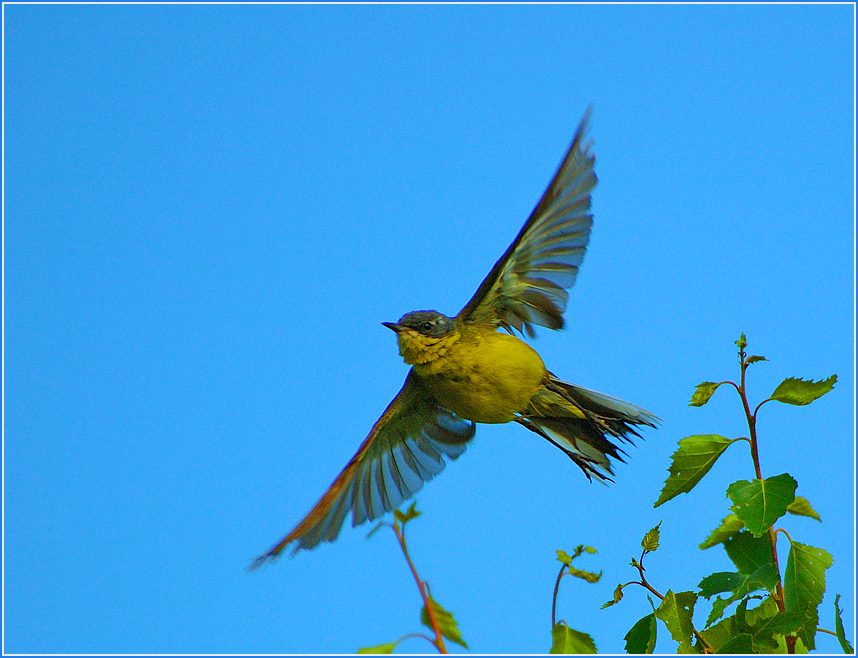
582 423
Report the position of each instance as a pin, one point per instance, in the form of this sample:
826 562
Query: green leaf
650 540
766 610
726 629
618 596
563 556
446 622
760 503
799 645
804 585
800 507
742 343
381 648
716 636
739 619
405 517
691 462
739 644
756 572
702 393
676 611
754 359
764 626
782 624
768 632
741 584
721 581
729 526
838 626
641 637
566 559
801 392
747 552
568 640
718 607
589 576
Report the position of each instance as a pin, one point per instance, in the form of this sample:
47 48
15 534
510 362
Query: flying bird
465 371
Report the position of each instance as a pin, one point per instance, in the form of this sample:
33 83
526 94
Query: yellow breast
482 375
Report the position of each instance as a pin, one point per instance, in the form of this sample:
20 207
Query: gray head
428 323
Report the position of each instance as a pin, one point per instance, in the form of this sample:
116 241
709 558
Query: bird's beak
394 326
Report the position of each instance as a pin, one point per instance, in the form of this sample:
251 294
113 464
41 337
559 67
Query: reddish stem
439 638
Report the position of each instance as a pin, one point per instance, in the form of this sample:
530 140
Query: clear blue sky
210 210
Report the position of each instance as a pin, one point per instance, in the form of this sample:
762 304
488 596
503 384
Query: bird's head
423 336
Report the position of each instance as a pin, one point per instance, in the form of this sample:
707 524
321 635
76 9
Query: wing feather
549 249
405 448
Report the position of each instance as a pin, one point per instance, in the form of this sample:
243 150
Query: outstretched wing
528 284
404 449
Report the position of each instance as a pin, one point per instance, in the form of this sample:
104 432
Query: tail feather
579 422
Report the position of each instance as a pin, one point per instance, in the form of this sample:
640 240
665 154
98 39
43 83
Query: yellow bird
464 371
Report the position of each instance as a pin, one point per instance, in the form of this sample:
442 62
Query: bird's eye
427 326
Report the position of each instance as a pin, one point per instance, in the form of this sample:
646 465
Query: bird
473 368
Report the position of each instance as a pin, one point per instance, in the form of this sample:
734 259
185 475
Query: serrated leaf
702 393
740 584
767 630
766 610
725 630
784 623
618 596
801 507
696 455
381 648
838 627
718 607
729 526
755 359
742 643
651 538
446 622
797 391
804 585
759 503
676 611
568 640
563 556
741 624
721 581
405 517
642 636
747 552
717 635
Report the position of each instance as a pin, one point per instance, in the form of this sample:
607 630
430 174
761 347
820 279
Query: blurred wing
528 284
404 449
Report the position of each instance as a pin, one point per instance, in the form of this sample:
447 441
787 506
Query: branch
439 639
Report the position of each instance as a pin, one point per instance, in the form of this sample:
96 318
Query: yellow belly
486 376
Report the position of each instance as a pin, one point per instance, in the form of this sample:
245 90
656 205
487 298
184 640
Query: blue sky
209 210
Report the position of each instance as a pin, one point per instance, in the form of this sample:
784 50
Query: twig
554 601
707 648
439 638
755 456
